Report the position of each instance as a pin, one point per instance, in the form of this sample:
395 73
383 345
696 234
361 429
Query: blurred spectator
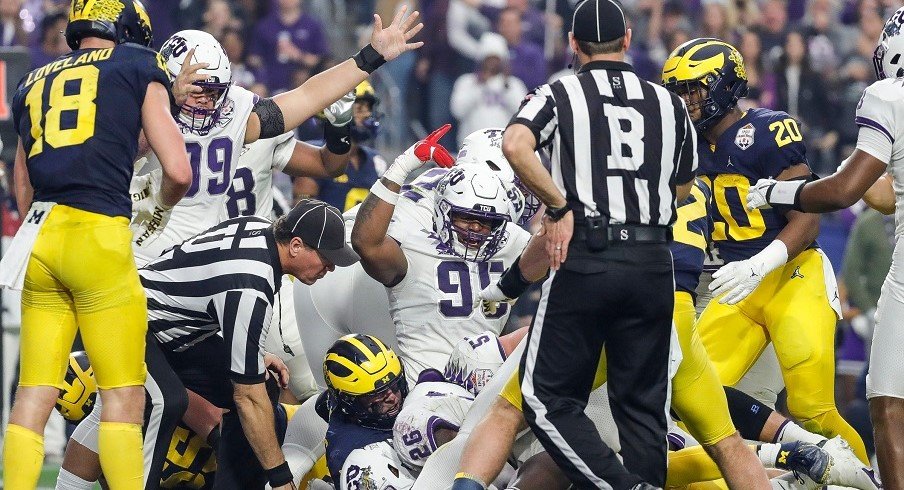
365 165
231 40
12 32
52 42
855 75
218 18
526 58
465 25
437 68
773 26
823 19
802 94
491 96
718 20
286 39
761 82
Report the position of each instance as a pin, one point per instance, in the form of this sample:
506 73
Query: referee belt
630 233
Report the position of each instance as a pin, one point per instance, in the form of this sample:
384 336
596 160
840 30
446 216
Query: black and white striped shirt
221 281
619 144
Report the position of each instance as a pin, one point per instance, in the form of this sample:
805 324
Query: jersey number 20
82 102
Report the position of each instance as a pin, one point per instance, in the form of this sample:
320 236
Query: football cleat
791 481
848 470
802 458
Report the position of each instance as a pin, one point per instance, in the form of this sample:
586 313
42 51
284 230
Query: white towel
15 260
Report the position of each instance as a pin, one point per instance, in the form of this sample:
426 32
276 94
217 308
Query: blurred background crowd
811 58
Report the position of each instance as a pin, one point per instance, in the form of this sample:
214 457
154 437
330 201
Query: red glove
419 153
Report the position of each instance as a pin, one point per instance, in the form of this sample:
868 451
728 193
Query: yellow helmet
711 64
358 369
120 21
79 393
365 91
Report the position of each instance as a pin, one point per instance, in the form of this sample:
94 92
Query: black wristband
279 476
338 139
368 59
512 283
556 214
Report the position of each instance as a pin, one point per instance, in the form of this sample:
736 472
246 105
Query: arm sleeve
538 113
876 119
687 156
245 318
285 146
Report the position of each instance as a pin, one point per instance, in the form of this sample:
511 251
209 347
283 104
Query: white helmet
484 147
888 59
474 361
218 71
473 193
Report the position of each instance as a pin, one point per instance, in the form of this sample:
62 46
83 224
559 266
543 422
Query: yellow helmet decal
684 66
107 10
142 14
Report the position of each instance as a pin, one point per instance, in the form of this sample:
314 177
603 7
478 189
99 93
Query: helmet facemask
468 244
368 410
201 120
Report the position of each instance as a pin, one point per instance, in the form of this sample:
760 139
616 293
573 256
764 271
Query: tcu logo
174 48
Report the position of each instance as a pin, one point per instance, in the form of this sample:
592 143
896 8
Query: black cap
321 227
599 21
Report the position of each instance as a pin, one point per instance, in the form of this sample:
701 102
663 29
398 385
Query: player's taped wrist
338 138
786 193
381 191
403 165
280 475
512 283
368 59
772 257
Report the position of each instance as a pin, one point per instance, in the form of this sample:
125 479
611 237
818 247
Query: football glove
490 297
149 214
340 113
420 153
736 280
768 192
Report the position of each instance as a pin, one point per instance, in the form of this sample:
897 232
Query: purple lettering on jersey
462 287
219 161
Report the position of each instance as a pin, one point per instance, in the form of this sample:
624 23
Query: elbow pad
273 123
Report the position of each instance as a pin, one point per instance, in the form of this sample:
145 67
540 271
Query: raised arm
286 111
161 131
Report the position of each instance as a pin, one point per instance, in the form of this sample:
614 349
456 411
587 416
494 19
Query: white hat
492 44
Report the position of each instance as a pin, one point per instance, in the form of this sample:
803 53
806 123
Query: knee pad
748 415
86 431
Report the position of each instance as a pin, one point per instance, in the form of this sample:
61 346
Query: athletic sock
790 432
23 456
120 455
69 481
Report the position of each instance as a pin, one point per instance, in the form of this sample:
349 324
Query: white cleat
847 470
790 481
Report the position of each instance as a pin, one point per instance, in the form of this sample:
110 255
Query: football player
433 274
78 120
776 285
878 150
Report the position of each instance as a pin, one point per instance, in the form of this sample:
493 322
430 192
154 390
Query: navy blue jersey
352 187
79 118
344 436
760 145
692 232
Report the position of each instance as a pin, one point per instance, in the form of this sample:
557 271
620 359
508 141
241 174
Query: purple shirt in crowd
528 64
306 33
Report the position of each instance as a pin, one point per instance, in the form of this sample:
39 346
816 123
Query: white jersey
880 116
251 192
214 160
375 466
430 406
436 304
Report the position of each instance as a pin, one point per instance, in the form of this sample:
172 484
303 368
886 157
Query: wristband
368 59
786 193
338 138
512 283
381 191
281 475
555 214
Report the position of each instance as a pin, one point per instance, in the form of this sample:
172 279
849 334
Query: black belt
627 234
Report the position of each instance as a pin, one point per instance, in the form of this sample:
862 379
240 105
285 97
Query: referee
622 151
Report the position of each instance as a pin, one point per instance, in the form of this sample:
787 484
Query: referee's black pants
622 298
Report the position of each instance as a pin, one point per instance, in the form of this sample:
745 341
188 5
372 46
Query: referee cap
599 21
320 226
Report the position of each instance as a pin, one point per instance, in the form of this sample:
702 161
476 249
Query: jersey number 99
47 125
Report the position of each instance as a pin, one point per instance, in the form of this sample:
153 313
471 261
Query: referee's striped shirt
618 144
222 280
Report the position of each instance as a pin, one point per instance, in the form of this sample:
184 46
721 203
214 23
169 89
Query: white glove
339 113
490 297
736 280
768 192
149 214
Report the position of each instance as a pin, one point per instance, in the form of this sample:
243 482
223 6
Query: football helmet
474 193
369 128
219 75
474 361
484 147
79 391
359 369
712 67
887 57
120 21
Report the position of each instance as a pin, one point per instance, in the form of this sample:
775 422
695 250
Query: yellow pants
789 308
81 274
697 395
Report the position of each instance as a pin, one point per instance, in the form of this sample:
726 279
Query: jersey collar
606 65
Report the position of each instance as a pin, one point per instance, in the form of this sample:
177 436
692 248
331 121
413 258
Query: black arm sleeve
273 123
